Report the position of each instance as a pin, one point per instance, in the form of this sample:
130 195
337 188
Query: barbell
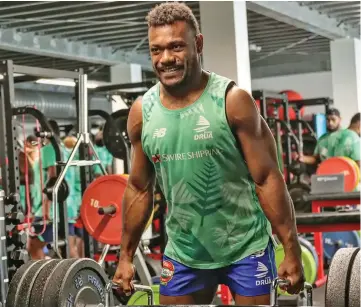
83 282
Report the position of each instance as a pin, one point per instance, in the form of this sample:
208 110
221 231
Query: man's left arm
259 150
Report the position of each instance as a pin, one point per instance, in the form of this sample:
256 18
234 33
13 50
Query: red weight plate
104 191
339 165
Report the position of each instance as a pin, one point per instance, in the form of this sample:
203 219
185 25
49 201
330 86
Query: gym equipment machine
8 154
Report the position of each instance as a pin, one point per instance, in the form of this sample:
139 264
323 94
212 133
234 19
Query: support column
226 47
346 77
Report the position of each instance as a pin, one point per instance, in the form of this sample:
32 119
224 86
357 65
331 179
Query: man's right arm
138 197
311 160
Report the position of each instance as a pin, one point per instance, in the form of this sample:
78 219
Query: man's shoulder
150 94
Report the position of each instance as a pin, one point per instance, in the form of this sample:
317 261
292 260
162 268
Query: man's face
174 50
333 123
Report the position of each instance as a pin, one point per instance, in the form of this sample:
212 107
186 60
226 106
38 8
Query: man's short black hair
333 111
54 126
169 12
355 119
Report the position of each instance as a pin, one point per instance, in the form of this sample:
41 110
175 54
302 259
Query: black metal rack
9 148
277 99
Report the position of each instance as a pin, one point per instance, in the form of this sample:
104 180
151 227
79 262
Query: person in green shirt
355 123
337 142
48 161
201 137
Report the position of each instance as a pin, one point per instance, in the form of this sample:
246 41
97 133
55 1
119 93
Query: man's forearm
137 209
279 210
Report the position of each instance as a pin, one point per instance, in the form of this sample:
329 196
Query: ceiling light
64 82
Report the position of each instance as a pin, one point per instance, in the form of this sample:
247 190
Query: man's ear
199 43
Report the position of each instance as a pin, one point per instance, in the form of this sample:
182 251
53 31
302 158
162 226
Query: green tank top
214 216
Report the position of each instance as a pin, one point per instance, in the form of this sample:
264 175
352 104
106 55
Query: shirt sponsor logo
186 155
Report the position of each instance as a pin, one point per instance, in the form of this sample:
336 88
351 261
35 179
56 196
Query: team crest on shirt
167 273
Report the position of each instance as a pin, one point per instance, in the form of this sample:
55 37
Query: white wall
312 85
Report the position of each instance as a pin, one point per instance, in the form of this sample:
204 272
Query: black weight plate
76 282
34 295
338 277
297 191
115 134
14 289
354 289
63 191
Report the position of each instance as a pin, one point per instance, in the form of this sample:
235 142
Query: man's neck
183 91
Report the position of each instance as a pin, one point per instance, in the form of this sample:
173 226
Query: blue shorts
47 236
251 276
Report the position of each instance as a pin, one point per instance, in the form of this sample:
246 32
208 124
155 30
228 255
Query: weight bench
318 222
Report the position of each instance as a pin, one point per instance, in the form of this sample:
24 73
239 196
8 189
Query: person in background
104 155
38 242
32 150
355 123
337 142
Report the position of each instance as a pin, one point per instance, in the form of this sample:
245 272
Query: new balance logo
202 125
263 269
159 133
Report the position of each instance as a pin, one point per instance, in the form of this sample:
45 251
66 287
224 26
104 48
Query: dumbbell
277 282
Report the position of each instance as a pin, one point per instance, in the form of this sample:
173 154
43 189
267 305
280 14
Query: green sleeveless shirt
214 216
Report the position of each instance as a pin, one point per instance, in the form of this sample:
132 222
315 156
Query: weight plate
140 298
308 262
340 165
356 168
35 293
63 191
115 134
332 241
76 282
102 192
15 286
354 287
311 249
339 276
297 191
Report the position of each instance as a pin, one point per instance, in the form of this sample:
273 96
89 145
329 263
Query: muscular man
355 123
337 142
215 159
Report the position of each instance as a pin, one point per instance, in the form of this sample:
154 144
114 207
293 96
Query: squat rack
12 215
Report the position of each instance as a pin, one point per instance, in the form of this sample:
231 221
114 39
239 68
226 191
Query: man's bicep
142 171
255 138
259 151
